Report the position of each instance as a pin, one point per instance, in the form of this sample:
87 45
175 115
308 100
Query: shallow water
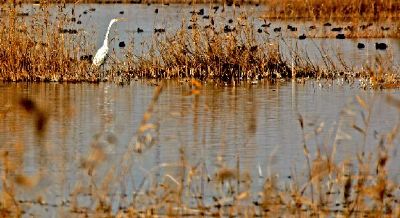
248 126
172 17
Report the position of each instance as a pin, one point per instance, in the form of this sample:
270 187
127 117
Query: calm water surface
255 126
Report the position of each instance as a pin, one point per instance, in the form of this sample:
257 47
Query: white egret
102 53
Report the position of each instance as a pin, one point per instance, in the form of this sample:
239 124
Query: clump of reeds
220 53
381 75
37 50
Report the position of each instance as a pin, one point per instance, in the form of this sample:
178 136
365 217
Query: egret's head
117 19
114 21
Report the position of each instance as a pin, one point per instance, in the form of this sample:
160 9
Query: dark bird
156 11
79 22
121 44
385 28
72 31
23 14
360 45
349 28
380 46
86 58
266 25
228 29
363 27
63 30
292 28
159 30
139 30
193 26
327 24
337 29
277 29
121 12
302 37
69 31
230 21
215 8
340 36
312 27
201 12
206 17
259 30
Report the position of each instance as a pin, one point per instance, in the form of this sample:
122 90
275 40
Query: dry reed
350 10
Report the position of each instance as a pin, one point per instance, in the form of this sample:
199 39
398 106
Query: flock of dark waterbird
339 35
229 27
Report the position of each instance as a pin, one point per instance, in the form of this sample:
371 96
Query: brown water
253 127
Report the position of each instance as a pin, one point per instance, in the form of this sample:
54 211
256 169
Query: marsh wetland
232 109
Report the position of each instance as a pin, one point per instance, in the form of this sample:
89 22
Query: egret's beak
122 19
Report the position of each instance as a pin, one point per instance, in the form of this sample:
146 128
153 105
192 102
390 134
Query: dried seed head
28 104
26 181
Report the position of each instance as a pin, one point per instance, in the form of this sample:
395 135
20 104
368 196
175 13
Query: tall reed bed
362 10
234 53
211 54
44 48
36 49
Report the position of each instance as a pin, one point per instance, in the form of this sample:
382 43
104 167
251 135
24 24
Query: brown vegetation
347 10
37 51
41 49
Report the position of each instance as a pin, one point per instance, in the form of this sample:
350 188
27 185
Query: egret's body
101 56
102 53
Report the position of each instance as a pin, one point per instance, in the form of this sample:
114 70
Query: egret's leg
102 72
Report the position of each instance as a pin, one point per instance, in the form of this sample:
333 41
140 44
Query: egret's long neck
105 43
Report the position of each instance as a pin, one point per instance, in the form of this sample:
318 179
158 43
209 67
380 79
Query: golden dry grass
350 10
37 51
